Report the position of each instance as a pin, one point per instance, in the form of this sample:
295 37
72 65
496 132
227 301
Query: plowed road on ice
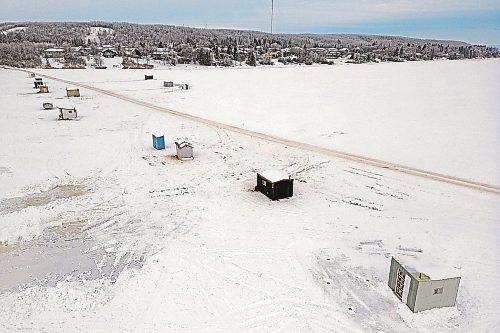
296 144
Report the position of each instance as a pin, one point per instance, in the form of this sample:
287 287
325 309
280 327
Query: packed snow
100 232
95 31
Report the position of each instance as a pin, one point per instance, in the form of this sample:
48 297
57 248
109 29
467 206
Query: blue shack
158 142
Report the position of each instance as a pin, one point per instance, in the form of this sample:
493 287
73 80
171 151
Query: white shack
419 291
184 150
67 114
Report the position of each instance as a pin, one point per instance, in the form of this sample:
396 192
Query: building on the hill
53 53
109 53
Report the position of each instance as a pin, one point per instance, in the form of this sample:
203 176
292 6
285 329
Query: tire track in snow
295 144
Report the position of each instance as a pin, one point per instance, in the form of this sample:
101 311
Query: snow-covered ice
100 232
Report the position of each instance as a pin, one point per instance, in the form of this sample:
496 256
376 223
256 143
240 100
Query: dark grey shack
276 185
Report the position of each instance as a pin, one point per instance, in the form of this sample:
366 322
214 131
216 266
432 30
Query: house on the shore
53 53
109 53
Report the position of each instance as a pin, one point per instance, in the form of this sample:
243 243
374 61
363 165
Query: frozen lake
440 116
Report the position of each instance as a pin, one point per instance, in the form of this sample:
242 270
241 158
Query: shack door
400 282
406 288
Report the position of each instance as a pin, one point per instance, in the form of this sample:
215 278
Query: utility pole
272 15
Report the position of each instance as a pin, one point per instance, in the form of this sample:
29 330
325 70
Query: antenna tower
272 15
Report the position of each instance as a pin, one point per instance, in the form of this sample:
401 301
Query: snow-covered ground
103 233
95 31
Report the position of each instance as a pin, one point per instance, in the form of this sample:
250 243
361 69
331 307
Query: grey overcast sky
473 21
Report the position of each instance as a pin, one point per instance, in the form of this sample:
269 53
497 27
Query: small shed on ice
38 82
43 89
148 77
275 184
183 86
67 114
184 150
168 84
158 142
419 291
75 92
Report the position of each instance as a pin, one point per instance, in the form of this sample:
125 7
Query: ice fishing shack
184 150
43 89
158 142
73 92
67 114
38 82
275 184
418 291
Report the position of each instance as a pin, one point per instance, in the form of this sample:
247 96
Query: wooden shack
67 114
418 291
74 92
43 89
275 184
168 84
184 150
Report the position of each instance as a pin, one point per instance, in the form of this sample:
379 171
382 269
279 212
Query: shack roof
183 144
427 266
274 175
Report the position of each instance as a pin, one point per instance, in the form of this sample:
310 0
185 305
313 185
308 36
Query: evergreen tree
251 60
